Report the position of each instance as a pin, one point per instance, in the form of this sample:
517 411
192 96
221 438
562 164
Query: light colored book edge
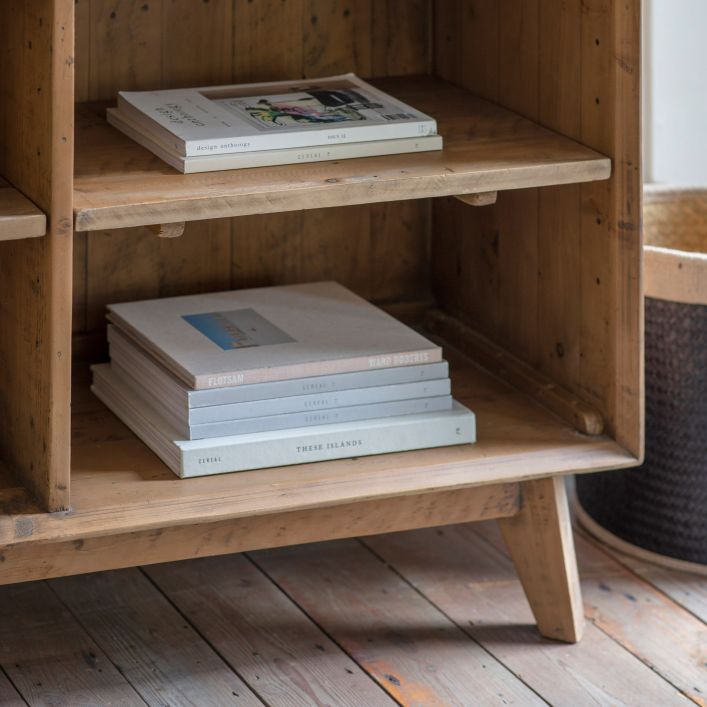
425 125
177 454
271 158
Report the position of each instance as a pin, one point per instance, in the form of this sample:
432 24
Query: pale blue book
269 422
179 397
284 447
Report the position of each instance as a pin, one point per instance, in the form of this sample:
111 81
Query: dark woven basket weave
662 505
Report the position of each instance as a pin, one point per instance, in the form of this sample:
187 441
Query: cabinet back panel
380 250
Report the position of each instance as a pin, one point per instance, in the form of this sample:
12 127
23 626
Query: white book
268 158
176 395
273 116
266 334
285 447
275 421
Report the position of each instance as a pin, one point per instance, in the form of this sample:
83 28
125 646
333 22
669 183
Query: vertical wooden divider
611 217
36 135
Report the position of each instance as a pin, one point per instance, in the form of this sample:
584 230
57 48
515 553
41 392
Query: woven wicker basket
660 509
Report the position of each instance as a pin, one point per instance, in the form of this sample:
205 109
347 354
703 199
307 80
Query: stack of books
266 124
275 376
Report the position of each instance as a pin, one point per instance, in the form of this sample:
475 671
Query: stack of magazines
274 376
261 125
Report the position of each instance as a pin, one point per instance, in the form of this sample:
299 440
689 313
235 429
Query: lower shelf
118 485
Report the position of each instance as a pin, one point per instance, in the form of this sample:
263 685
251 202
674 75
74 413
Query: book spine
272 423
320 444
311 138
316 368
319 401
130 357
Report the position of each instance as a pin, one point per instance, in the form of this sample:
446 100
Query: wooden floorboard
410 648
646 622
475 584
48 656
286 658
423 618
152 645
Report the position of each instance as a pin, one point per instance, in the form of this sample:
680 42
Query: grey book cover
285 447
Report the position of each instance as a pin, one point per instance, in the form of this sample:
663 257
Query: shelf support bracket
484 198
167 230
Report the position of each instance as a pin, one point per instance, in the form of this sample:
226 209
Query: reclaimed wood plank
476 585
278 650
24 562
668 639
119 183
50 659
156 650
19 217
9 697
411 649
120 486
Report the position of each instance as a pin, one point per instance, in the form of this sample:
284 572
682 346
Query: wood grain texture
157 651
24 562
611 230
120 486
651 626
19 217
516 372
554 276
411 649
540 543
264 635
476 585
9 697
36 155
138 189
50 659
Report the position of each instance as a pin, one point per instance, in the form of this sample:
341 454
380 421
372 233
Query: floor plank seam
321 628
615 640
11 682
88 633
618 558
199 633
412 586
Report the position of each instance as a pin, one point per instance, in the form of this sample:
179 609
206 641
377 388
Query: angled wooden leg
539 539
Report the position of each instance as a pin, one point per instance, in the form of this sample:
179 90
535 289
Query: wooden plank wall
36 156
553 274
380 251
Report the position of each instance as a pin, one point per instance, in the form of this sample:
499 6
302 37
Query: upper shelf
487 148
19 217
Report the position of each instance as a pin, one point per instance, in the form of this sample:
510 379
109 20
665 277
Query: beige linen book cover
267 334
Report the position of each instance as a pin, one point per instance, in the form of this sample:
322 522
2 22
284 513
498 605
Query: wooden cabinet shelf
120 486
534 270
19 217
487 148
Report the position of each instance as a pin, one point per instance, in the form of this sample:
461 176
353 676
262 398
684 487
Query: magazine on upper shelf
267 334
271 116
268 158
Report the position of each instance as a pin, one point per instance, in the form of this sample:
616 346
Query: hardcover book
267 158
268 334
249 418
272 116
175 394
293 446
